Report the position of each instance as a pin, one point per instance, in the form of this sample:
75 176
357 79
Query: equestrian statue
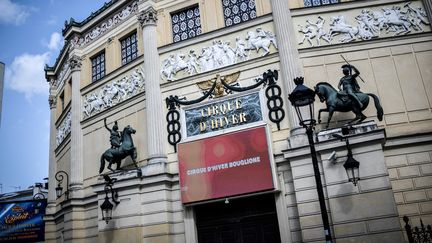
348 98
121 146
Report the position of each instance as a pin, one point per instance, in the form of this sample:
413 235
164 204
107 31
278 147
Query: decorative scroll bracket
274 103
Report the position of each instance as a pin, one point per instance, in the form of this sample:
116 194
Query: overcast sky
31 37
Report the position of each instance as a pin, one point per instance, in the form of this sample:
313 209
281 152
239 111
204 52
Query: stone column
76 164
428 7
154 106
288 54
52 145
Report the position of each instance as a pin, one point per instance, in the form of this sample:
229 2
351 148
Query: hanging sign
223 114
22 221
225 165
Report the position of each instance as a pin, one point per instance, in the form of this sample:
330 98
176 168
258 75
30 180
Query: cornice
72 23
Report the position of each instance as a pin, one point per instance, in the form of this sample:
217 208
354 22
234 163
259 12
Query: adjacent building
218 154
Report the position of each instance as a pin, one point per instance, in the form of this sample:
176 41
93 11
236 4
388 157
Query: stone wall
410 172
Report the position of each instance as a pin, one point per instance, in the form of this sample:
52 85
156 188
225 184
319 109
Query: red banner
225 165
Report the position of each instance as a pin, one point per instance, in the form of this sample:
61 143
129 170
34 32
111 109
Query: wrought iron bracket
273 94
109 189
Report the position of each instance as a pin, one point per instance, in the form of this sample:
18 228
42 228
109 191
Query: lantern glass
59 191
352 167
302 98
106 208
306 115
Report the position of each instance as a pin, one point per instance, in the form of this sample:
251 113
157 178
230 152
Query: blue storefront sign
22 221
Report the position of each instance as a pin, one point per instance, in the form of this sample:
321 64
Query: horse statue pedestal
363 127
350 205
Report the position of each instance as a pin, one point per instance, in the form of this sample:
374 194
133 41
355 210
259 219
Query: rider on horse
348 84
115 137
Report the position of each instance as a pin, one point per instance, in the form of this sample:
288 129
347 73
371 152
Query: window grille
186 24
311 3
129 50
98 67
238 11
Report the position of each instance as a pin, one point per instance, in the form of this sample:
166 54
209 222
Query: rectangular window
129 50
98 66
311 3
238 11
186 24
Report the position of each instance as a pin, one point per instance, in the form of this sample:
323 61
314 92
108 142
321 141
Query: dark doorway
247 220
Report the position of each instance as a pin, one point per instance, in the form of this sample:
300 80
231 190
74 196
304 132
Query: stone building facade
140 62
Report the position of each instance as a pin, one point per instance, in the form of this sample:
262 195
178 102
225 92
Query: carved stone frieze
147 17
64 129
93 34
58 83
219 54
113 93
368 24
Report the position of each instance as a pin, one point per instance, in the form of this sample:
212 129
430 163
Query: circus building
242 121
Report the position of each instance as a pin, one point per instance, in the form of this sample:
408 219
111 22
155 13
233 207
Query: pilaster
76 170
288 54
52 144
154 106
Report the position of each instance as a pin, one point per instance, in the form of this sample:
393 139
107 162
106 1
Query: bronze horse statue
115 155
336 101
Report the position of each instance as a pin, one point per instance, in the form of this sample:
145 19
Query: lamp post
59 176
302 98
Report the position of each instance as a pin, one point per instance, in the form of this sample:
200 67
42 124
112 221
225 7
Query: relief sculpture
389 20
219 54
113 93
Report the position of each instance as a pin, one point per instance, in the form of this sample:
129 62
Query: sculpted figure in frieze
348 99
262 40
339 26
240 50
122 146
321 33
312 30
309 33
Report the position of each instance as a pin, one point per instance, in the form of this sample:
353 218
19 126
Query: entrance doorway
246 220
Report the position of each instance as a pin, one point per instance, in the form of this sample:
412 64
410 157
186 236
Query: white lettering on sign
224 166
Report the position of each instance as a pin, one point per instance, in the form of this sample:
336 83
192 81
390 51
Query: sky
30 37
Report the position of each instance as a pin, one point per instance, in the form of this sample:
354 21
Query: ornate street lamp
107 206
302 98
351 165
352 168
59 176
